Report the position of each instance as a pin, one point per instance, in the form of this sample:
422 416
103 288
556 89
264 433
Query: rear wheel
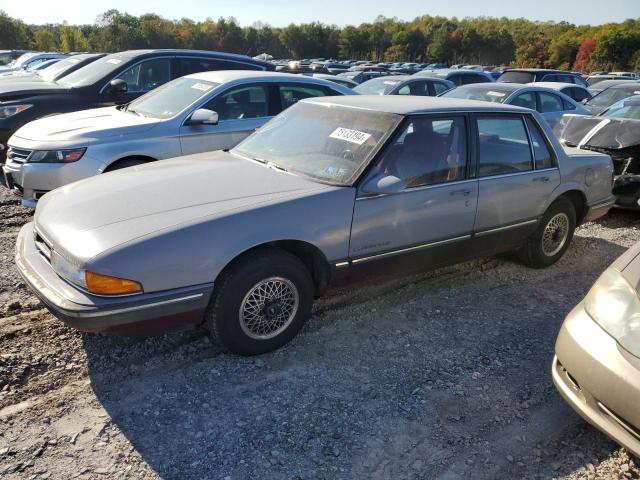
552 237
261 302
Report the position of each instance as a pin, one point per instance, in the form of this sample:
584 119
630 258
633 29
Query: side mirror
584 101
384 185
202 116
118 87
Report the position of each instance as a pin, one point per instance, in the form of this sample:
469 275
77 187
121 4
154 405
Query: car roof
179 51
554 85
224 76
538 70
626 86
406 105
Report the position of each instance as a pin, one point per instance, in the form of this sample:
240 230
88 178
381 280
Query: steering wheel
347 154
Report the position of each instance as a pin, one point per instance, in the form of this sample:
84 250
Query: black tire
535 253
126 163
240 281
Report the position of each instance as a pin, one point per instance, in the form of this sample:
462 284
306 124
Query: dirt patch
441 375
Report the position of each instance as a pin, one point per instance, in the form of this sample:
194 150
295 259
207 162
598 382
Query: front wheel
261 302
552 237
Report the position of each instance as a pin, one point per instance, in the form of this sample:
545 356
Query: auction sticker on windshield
351 136
495 94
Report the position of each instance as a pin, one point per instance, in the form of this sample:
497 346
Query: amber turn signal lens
106 285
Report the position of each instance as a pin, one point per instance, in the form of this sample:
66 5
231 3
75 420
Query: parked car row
178 188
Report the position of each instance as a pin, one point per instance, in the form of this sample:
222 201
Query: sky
340 12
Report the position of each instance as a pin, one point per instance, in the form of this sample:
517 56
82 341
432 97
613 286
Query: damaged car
616 132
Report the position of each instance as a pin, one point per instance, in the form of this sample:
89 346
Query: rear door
517 173
241 109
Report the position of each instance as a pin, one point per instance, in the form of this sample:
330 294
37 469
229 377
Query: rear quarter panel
588 172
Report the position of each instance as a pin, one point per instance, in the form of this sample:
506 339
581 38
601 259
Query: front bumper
598 378
144 313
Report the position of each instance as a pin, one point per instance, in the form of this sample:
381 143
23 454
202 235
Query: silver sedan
197 113
327 191
551 103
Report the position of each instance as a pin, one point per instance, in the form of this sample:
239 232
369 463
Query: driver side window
147 75
429 151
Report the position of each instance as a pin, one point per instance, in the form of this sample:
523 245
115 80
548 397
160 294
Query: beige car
597 363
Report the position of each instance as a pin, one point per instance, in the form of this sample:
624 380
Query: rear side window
526 100
290 94
544 158
549 103
196 65
241 103
419 88
439 87
503 146
470 78
456 79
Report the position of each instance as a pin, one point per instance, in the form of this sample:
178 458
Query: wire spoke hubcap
555 234
269 308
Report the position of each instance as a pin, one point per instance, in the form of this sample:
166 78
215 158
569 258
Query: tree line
482 40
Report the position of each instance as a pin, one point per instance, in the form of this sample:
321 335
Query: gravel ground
442 375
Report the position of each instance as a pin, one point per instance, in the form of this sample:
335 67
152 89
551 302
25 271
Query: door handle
463 192
541 179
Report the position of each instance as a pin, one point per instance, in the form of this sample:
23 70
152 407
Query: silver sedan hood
89 217
85 125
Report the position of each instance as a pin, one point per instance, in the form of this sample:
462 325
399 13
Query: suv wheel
261 302
552 237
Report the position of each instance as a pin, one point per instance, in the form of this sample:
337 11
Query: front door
241 110
438 204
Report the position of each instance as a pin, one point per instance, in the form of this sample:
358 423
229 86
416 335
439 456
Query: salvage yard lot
441 375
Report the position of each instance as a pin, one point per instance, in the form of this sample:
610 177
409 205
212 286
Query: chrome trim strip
507 227
608 203
505 175
342 264
409 249
143 307
420 188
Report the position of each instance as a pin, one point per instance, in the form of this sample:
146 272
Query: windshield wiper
276 166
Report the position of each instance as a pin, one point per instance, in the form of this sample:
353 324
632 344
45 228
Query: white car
576 92
197 113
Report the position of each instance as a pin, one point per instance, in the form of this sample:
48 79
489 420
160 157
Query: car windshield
93 72
23 58
50 73
624 109
170 98
610 96
320 141
517 77
377 86
493 94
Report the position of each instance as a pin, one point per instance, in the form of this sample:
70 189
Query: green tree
45 40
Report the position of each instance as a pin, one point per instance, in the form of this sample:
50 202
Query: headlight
91 281
68 271
11 110
614 304
57 156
